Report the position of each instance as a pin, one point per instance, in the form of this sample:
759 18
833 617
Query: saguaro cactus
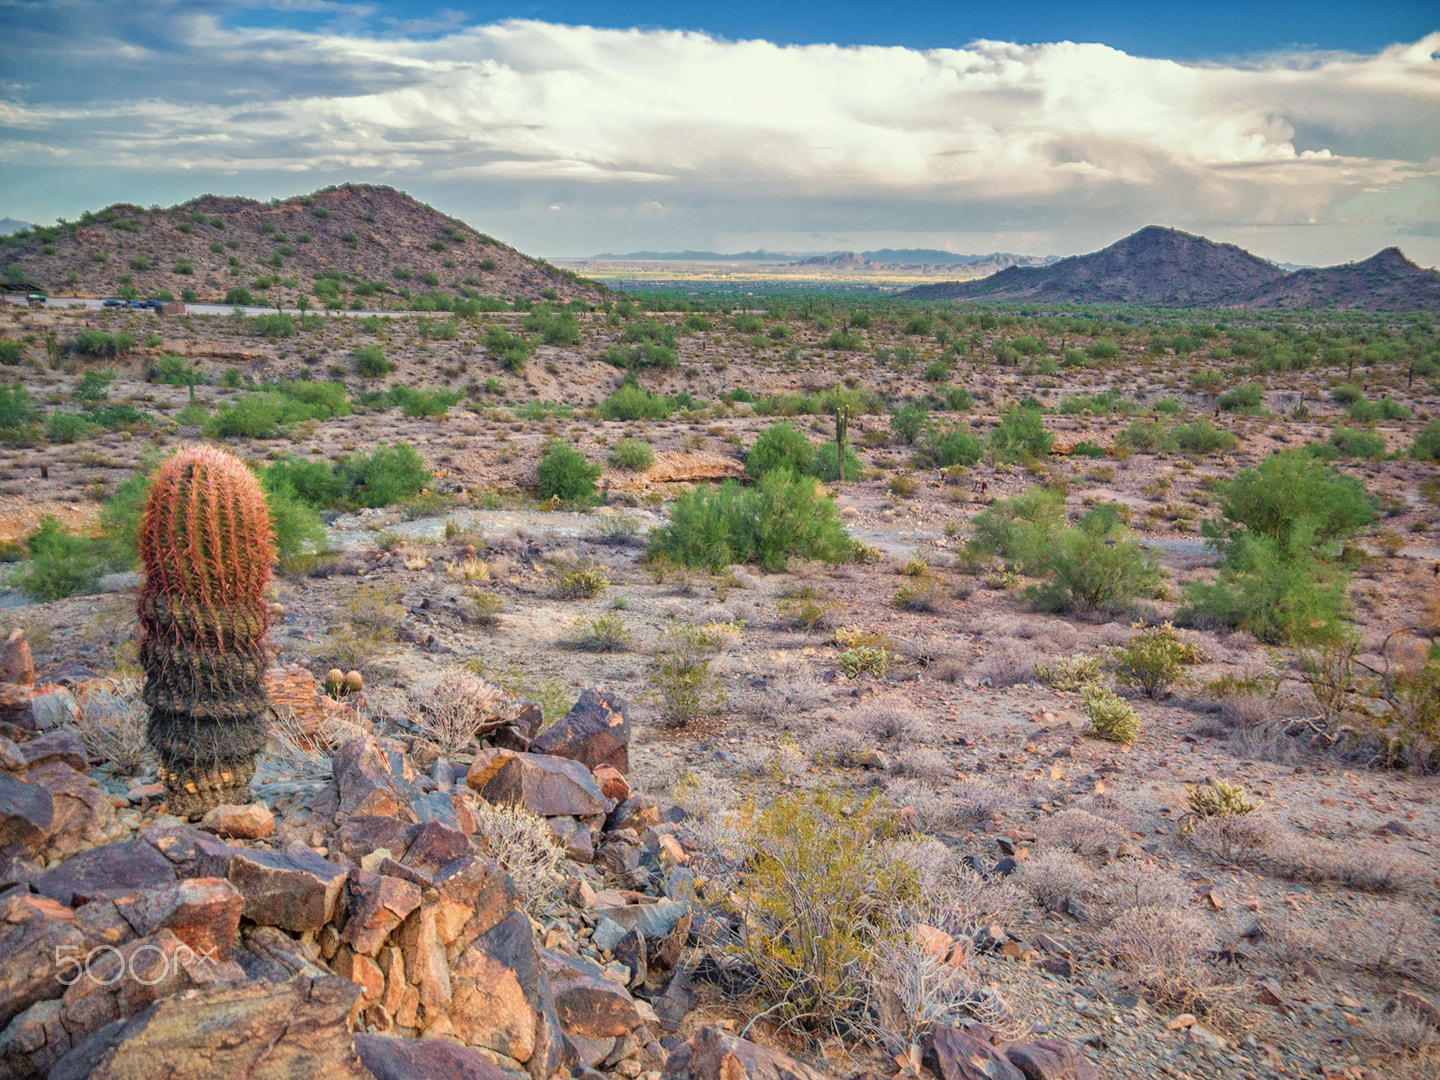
206 547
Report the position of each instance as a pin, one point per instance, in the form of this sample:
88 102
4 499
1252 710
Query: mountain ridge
1162 267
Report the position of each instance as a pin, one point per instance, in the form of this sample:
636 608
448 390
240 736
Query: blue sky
1307 133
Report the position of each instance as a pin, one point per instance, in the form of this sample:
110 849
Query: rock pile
362 925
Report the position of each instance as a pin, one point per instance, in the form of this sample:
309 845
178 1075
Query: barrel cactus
206 548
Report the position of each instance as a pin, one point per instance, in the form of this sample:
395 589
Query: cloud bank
587 138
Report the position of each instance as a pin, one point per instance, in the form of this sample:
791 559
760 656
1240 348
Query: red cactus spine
206 548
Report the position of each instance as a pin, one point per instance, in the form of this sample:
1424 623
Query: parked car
113 303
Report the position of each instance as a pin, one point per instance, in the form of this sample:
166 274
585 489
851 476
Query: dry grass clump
1052 875
1131 884
887 720
452 709
112 725
1081 832
1009 664
525 848
306 754
799 687
953 810
1258 841
843 747
922 764
1163 950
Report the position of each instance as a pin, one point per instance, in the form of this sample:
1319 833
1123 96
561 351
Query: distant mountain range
10 225
909 257
1161 267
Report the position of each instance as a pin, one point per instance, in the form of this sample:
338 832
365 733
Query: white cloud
998 128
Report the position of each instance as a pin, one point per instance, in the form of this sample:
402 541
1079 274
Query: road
92 304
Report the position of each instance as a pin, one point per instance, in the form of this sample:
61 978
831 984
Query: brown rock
33 1041
425 964
592 1007
434 846
1051 1059
362 776
544 785
203 913
1411 1002
362 971
56 745
34 931
108 871
495 983
424 1059
191 852
83 814
37 708
16 664
253 822
296 1028
485 894
358 836
291 687
594 732
635 813
295 890
613 784
12 759
26 813
961 1056
377 905
712 1054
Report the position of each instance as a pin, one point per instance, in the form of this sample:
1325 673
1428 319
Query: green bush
1104 350
1288 493
1245 398
1087 449
417 403
314 481
631 402
957 398
780 446
908 421
11 351
938 370
68 427
370 361
1111 717
566 474
1095 567
16 409
1201 437
1018 530
954 444
1021 434
61 564
121 418
239 296
1350 443
274 324
172 370
1426 446
680 676
634 454
783 515
1347 394
826 464
645 354
384 476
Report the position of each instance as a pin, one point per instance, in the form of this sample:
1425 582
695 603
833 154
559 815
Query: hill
1387 281
10 225
1162 267
1155 266
351 245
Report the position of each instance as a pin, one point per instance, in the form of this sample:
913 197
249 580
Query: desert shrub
908 421
1053 875
1277 592
1163 949
1018 529
603 633
1244 398
510 350
1347 394
1350 443
1095 566
681 681
417 403
1290 493
821 908
1201 437
808 607
93 386
370 361
1111 717
451 709
1104 350
634 454
61 563
780 446
483 607
825 466
1020 434
1070 673
1427 443
68 427
781 516
951 445
384 476
1088 449
294 523
923 593
11 351
16 409
112 725
581 579
1154 660
566 474
524 846
632 402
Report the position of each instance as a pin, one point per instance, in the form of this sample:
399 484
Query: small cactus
334 682
206 548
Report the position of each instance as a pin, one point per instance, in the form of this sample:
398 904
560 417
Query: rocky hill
1167 268
375 244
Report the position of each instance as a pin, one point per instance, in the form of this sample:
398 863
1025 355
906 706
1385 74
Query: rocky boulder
594 732
712 1054
544 785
